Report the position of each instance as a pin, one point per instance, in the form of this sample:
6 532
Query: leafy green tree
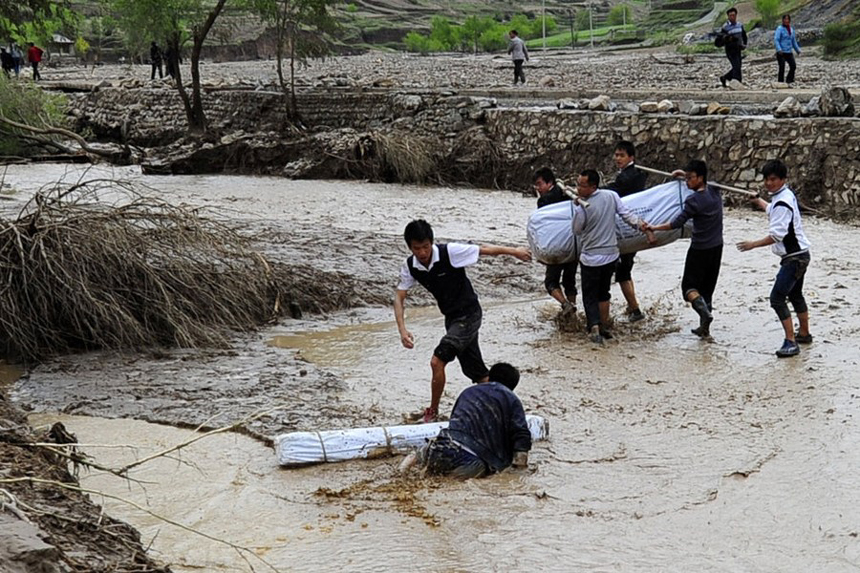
34 20
442 32
473 27
25 103
494 39
769 11
583 20
174 20
620 14
300 27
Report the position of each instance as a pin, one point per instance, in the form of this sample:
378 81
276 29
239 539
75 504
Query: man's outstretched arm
521 253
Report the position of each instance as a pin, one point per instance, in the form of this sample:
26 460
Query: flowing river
667 453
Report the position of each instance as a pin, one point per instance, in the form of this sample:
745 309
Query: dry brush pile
102 265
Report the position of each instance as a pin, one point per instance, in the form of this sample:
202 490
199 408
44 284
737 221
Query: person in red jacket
34 56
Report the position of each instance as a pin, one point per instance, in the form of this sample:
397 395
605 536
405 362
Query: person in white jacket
519 54
788 241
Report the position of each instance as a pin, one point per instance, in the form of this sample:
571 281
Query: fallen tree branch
57 131
255 416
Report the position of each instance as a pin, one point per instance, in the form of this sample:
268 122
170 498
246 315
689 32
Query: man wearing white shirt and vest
595 225
441 270
789 242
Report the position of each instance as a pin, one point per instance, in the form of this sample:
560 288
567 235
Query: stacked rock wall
821 152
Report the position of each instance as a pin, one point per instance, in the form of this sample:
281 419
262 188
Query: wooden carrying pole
717 185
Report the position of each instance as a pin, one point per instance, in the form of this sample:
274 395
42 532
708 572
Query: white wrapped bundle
302 448
656 205
550 233
550 229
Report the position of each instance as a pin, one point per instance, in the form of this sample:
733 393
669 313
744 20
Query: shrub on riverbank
843 38
23 102
131 272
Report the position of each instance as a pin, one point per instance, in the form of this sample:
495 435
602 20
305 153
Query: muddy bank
668 453
50 529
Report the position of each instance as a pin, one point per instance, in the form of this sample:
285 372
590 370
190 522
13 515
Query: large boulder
790 107
836 102
600 103
546 82
649 107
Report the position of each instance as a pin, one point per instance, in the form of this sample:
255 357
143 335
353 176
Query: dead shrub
102 265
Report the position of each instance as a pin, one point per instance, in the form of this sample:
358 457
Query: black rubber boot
705 317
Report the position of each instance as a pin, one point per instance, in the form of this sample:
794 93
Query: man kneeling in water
487 432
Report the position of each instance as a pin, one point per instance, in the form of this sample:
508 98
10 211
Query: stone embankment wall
822 153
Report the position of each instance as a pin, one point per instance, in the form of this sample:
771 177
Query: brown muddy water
667 453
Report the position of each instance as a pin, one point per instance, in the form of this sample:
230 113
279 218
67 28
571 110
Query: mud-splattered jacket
489 420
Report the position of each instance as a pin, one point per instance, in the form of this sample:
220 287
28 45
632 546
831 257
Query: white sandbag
550 234
550 229
301 448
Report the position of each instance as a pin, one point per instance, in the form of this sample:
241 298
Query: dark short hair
593 177
775 167
732 9
698 167
419 231
504 374
546 174
514 32
627 147
784 16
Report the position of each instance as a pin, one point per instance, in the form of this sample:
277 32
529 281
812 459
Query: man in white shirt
441 270
789 242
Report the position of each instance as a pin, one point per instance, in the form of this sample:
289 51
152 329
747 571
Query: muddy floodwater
667 453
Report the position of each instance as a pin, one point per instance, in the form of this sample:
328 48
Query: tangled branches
101 265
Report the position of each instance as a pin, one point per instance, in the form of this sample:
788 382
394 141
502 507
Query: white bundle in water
302 448
550 229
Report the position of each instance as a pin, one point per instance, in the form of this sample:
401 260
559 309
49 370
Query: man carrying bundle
563 274
704 257
595 225
628 181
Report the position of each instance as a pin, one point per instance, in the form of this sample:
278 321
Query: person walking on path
789 242
7 63
441 270
560 276
734 38
487 433
34 56
595 224
785 40
628 181
17 58
519 54
155 58
704 257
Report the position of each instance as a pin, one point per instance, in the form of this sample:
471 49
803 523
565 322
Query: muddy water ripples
667 453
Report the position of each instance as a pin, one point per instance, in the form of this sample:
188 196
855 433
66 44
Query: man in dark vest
441 270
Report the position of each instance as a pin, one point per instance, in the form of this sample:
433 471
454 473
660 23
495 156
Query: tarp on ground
302 448
550 229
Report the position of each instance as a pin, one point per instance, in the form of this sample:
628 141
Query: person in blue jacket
785 40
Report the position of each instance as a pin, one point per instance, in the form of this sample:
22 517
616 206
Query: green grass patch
842 39
562 39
